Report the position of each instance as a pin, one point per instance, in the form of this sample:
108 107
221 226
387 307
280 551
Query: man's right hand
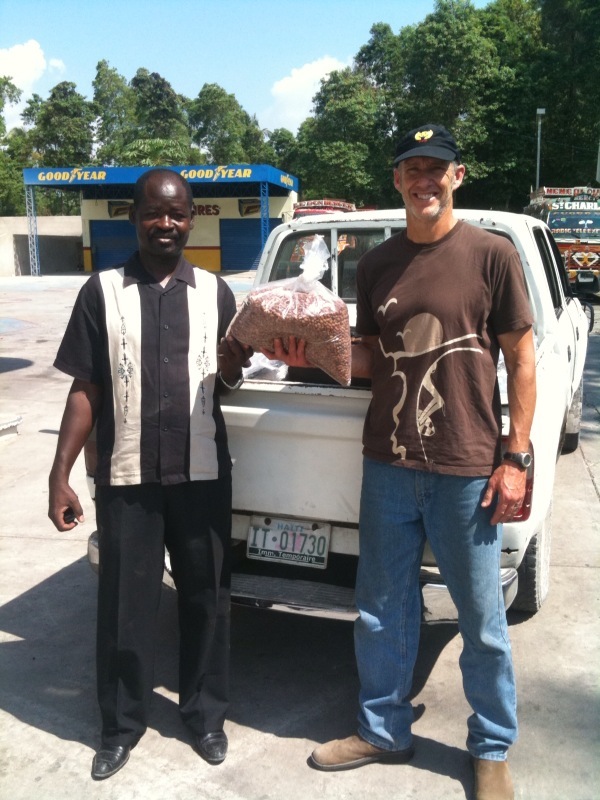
83 402
64 508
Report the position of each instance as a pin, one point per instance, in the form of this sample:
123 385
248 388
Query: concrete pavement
294 679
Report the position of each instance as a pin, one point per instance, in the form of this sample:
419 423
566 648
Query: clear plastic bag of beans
300 307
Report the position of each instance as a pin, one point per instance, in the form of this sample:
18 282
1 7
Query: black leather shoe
212 746
108 760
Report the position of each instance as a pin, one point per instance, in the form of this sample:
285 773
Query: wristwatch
522 460
236 385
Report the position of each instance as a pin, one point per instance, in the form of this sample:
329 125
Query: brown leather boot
492 780
354 752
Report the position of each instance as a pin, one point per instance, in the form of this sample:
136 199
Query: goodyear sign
54 176
205 173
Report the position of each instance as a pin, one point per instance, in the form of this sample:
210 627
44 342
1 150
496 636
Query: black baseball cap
429 140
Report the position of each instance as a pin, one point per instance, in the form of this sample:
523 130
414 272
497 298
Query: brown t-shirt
438 309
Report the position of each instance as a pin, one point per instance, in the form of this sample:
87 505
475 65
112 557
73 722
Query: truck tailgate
296 449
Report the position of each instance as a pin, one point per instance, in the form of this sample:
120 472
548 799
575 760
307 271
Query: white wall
60 244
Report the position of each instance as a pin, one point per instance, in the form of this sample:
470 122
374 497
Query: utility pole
539 114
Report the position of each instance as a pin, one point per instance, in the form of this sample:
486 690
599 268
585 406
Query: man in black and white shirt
147 350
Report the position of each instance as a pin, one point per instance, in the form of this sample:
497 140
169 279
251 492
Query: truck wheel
573 427
534 571
589 312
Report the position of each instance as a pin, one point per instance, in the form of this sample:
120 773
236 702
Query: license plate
301 543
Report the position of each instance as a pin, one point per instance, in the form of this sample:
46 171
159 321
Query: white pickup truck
296 443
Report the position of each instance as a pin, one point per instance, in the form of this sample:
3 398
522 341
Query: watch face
522 459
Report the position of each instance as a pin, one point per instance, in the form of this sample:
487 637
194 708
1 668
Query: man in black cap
435 305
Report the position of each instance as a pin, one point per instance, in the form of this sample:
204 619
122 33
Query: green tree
15 155
63 127
508 150
159 152
9 94
256 144
61 135
12 197
159 110
223 130
18 146
453 75
470 70
569 73
284 148
336 147
32 109
114 102
382 58
161 134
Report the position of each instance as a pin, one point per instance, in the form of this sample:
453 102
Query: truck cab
573 217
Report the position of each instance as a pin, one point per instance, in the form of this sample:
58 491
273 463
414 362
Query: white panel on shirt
124 324
202 365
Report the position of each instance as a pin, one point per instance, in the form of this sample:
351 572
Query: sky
270 54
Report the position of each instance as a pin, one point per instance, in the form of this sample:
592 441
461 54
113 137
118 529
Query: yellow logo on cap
422 136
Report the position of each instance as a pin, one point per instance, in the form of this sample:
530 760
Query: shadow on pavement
8 364
47 668
292 676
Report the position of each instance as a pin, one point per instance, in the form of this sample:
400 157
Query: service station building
237 206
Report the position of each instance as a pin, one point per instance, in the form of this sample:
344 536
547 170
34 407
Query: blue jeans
400 508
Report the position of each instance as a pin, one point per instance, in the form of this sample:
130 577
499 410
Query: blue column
264 213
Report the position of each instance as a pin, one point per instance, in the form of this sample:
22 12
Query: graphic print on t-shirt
423 339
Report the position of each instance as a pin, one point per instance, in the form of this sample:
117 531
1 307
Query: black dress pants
135 523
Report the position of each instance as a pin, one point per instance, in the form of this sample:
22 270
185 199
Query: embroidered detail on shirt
203 364
125 370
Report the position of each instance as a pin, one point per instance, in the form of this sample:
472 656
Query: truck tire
570 441
534 571
589 312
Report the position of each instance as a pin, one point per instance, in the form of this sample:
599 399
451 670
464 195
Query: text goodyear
217 173
72 175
